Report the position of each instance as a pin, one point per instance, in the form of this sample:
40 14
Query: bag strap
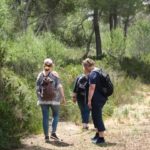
78 80
45 75
101 72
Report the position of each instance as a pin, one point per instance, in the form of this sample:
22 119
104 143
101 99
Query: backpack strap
78 80
40 77
81 84
44 74
55 74
100 72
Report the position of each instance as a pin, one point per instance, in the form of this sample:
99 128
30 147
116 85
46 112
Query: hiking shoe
54 136
46 139
99 140
95 137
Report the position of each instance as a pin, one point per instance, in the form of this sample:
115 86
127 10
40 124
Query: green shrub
19 114
138 39
6 20
68 76
137 67
2 55
114 43
26 54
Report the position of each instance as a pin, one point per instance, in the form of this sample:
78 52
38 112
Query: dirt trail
119 136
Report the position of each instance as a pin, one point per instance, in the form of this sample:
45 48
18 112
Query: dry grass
128 129
118 137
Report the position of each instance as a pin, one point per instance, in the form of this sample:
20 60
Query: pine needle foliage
19 113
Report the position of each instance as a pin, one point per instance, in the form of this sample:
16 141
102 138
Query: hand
74 99
89 104
63 101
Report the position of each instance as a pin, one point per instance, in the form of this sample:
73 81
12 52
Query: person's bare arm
74 97
90 95
62 94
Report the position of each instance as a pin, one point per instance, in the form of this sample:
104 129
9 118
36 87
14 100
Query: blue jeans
85 112
45 114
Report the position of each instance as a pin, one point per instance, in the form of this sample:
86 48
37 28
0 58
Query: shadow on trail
60 143
33 148
107 144
54 143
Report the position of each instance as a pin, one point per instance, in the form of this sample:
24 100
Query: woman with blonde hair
50 93
96 100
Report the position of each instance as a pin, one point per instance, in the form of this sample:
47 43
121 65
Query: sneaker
54 136
99 140
95 137
46 139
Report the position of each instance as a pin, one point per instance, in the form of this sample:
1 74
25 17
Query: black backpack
106 87
82 84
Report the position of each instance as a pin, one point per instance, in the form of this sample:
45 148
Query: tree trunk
26 13
97 34
110 22
111 25
126 24
115 20
115 17
88 45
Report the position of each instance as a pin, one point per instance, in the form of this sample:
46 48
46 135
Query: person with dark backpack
106 86
50 93
80 96
100 87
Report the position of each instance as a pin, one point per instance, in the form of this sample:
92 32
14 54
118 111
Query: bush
68 76
114 43
5 21
137 67
19 114
138 40
26 54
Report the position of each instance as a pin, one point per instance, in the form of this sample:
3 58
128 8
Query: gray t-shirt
56 80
